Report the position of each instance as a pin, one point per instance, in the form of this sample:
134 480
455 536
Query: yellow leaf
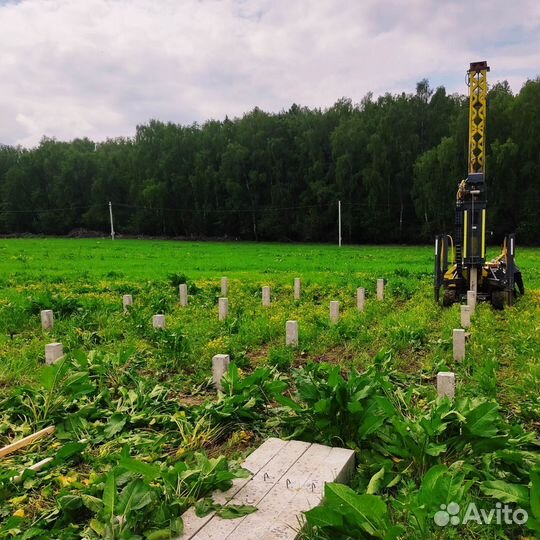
67 480
18 500
19 513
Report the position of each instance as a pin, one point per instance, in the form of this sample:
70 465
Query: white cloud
78 68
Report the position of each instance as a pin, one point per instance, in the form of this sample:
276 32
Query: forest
394 162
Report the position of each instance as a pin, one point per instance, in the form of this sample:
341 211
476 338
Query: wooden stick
25 441
35 467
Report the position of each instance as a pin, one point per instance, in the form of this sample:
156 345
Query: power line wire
45 210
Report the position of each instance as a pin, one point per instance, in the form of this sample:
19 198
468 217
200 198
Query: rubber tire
449 297
498 299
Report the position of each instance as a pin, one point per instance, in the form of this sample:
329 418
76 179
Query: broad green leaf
69 502
435 449
370 424
366 511
50 376
177 525
150 472
534 525
235 511
505 492
204 506
97 526
323 516
535 493
250 403
395 532
110 495
32 533
115 425
334 377
288 402
134 496
161 534
69 450
92 503
429 483
322 406
396 480
483 420
355 407
375 482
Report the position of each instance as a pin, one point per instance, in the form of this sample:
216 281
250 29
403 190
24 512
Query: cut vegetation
141 435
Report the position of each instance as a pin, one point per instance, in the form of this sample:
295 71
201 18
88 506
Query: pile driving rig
494 281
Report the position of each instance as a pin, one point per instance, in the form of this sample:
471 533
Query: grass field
140 400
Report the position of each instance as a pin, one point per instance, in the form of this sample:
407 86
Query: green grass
83 282
146 259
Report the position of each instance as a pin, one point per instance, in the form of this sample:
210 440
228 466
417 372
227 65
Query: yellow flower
67 480
19 513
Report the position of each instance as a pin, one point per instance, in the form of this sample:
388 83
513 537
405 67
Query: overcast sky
97 68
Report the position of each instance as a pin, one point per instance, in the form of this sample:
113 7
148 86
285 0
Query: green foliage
281 358
417 458
395 163
177 279
333 409
63 306
138 426
246 398
346 514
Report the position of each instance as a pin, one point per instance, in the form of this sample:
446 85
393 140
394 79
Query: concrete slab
471 300
291 333
127 302
288 479
220 365
266 296
297 288
334 311
458 343
158 321
224 286
360 298
253 463
446 384
53 353
465 316
380 290
223 308
183 294
47 319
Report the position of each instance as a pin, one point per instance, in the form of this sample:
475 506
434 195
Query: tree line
394 162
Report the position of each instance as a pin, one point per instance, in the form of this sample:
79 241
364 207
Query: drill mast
477 80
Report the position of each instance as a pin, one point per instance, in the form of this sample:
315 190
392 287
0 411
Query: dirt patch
336 355
187 400
256 358
237 444
411 362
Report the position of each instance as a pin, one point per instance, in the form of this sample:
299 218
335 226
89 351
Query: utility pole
339 222
112 225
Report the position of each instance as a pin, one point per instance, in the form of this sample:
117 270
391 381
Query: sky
97 68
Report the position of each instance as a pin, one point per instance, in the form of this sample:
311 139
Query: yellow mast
478 88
